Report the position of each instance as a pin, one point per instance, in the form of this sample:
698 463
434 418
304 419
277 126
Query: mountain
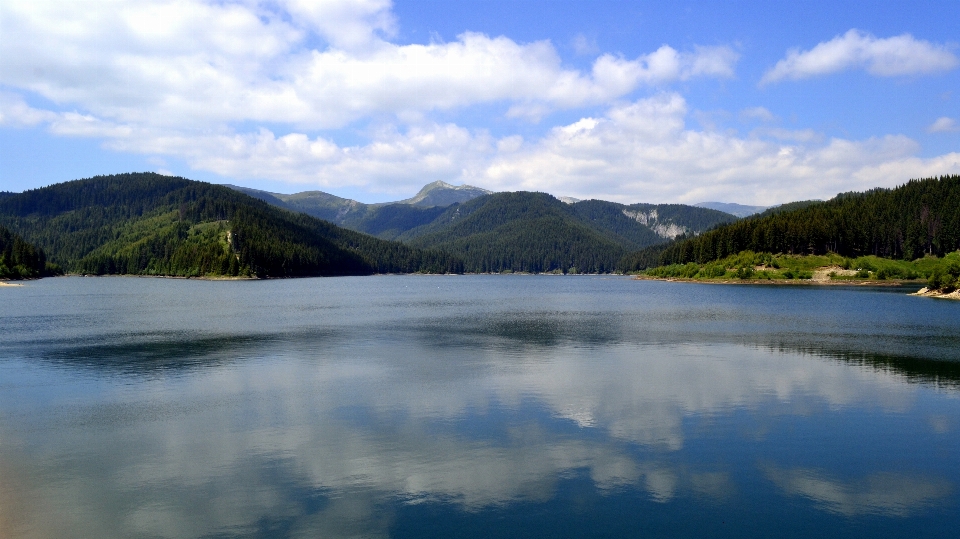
535 232
920 217
19 259
158 225
440 193
383 220
529 232
740 210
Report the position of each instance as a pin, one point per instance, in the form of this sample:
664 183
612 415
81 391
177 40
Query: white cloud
345 24
644 152
757 113
944 125
584 46
898 55
200 82
636 152
188 63
14 111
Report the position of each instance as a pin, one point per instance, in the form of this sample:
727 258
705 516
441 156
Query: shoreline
8 283
199 278
927 293
783 282
923 292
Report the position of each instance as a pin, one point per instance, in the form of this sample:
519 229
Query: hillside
21 260
157 225
535 232
921 217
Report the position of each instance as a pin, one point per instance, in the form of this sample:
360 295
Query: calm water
475 406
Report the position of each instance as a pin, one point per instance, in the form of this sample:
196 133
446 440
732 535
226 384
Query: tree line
22 260
921 217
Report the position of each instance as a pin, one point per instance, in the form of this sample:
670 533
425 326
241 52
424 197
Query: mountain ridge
148 224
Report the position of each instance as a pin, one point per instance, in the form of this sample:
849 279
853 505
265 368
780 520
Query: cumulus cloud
14 111
885 57
944 125
257 91
195 63
635 152
644 152
640 151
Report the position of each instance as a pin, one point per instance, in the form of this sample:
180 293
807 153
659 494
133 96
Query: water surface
475 406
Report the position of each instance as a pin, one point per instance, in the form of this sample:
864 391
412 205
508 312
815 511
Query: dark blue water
476 406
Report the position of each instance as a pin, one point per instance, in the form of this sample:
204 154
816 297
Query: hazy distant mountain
740 210
385 219
441 193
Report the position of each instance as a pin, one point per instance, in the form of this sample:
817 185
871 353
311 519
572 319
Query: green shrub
937 279
712 271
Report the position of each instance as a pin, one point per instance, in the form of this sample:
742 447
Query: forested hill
920 217
535 232
150 224
19 259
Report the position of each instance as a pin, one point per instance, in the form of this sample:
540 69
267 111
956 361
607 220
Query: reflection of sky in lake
379 407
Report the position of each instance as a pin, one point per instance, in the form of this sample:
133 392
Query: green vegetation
147 224
919 218
906 233
747 265
22 260
945 276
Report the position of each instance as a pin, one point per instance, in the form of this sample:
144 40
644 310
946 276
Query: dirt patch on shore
822 275
927 293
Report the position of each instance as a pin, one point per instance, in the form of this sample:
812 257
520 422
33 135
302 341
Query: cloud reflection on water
331 423
881 493
228 446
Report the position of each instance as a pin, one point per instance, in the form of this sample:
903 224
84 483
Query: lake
476 406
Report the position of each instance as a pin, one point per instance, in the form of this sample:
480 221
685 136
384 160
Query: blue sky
750 102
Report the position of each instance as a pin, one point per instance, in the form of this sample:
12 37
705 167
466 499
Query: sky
629 101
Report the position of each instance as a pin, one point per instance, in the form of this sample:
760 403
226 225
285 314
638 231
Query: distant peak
441 193
437 184
440 184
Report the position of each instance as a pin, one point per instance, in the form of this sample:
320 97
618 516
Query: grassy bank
748 265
